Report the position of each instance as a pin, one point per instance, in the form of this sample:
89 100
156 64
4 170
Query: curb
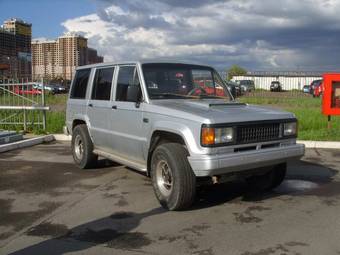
26 143
62 137
320 144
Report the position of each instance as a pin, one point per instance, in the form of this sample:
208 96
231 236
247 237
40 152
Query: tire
269 180
82 148
169 165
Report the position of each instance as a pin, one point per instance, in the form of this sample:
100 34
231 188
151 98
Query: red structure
331 96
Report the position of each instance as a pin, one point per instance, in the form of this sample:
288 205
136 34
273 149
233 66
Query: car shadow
105 163
303 178
113 231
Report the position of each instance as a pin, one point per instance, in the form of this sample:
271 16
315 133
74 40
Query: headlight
212 136
289 129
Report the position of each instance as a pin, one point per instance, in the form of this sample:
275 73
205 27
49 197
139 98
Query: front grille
258 133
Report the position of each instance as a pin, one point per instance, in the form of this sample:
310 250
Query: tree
235 70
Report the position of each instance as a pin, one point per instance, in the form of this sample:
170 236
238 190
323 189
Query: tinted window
127 77
102 84
80 83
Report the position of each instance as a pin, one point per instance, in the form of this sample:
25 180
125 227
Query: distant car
52 88
26 90
246 85
306 89
318 89
314 84
235 89
275 86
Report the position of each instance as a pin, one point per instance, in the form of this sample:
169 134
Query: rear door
99 107
128 135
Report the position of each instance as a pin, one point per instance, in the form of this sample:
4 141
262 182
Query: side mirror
133 94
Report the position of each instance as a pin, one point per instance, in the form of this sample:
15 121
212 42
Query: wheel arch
159 137
80 121
77 122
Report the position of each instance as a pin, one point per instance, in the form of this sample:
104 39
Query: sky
267 35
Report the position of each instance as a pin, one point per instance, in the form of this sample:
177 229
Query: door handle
90 105
114 107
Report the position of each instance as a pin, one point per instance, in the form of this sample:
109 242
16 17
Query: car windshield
316 82
182 81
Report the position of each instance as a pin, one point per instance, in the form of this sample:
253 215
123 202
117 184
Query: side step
119 159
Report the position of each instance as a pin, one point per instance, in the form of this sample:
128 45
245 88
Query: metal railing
22 104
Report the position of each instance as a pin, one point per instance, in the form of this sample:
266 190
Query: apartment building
15 49
92 56
59 58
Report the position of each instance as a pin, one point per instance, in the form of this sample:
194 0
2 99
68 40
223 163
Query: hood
219 111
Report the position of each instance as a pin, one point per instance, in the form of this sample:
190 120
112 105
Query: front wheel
270 180
173 180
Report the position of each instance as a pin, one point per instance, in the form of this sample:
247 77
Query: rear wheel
82 147
173 180
270 180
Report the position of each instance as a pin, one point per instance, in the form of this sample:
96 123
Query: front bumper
209 165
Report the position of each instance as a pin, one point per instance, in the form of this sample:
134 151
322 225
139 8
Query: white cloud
258 34
41 39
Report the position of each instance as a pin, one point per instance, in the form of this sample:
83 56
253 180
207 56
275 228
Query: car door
99 107
128 134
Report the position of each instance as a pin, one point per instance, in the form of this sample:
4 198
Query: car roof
140 62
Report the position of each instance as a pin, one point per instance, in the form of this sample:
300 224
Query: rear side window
102 84
127 77
80 84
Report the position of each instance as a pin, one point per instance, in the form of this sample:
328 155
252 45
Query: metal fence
288 83
22 105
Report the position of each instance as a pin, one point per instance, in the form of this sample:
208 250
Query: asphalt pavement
49 206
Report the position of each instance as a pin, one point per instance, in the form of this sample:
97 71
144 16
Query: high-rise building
59 58
15 49
93 57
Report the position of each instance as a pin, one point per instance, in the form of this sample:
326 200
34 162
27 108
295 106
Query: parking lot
48 206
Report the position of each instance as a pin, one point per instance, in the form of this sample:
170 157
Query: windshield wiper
170 95
212 96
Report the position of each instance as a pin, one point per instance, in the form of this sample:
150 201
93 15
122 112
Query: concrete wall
288 82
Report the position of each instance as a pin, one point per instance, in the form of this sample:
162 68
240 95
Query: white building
288 80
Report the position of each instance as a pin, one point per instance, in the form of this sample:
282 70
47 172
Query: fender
178 129
86 120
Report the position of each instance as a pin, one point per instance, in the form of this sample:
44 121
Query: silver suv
180 125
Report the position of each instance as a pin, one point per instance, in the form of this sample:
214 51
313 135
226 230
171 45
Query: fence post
43 103
25 120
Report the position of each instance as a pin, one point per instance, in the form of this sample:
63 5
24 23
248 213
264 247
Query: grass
312 123
55 118
55 122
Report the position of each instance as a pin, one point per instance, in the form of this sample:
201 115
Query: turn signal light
208 136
